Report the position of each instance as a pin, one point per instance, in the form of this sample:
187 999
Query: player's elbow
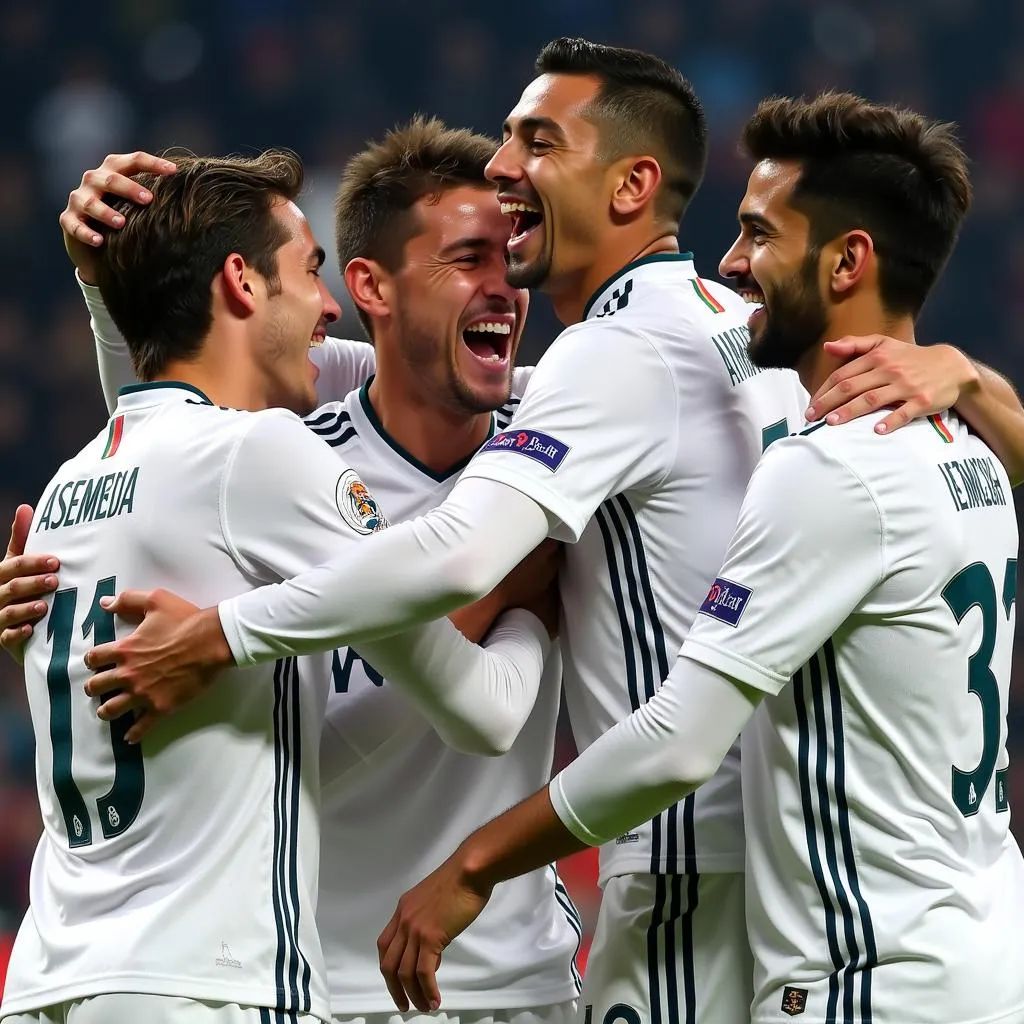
465 578
483 739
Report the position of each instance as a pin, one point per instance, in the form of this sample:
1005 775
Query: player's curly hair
155 273
373 209
891 172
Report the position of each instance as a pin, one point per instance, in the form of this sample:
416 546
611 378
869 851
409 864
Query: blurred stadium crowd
321 76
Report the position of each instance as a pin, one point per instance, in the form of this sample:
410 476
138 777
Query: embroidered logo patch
356 505
726 601
542 448
794 1000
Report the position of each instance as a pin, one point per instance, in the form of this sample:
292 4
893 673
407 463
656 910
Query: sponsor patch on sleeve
726 601
542 448
357 506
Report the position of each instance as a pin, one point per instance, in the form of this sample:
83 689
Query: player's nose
503 167
332 311
735 263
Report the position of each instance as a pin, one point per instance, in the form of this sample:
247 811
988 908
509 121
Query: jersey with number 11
186 865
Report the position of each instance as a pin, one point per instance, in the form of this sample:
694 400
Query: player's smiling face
457 320
551 183
774 266
295 316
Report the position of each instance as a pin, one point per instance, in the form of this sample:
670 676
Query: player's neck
818 363
435 436
230 386
570 295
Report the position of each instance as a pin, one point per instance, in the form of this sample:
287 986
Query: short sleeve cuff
734 665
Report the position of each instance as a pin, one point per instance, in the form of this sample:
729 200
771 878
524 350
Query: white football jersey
870 591
639 432
187 865
396 801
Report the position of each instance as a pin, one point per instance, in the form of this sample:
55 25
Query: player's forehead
465 213
554 101
293 220
769 189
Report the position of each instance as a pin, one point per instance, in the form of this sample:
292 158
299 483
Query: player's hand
168 661
23 580
112 177
428 917
916 380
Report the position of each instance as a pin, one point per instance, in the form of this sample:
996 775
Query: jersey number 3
974 587
120 805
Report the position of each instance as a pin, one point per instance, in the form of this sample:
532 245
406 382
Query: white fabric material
557 1013
396 801
413 571
670 947
648 412
661 753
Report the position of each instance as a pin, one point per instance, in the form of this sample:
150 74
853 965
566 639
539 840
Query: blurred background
322 76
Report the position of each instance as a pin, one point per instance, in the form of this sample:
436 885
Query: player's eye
471 259
538 146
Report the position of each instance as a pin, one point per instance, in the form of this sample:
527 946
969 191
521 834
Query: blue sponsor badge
726 601
542 448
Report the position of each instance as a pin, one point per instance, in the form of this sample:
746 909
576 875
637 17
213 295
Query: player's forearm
995 412
393 580
654 758
476 698
115 365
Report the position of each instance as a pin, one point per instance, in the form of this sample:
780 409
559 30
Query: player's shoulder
336 423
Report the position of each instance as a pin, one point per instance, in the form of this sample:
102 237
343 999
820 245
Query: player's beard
529 274
430 358
795 320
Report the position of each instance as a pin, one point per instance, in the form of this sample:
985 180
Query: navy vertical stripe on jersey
292 970
672 923
645 655
572 916
848 927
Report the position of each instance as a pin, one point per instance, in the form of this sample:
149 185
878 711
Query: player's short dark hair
644 106
155 273
893 173
373 210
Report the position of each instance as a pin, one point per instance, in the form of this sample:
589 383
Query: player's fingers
118 705
129 604
870 393
143 724
136 163
19 531
899 417
849 346
408 976
19 614
390 959
13 641
837 386
26 588
426 974
74 226
20 566
103 661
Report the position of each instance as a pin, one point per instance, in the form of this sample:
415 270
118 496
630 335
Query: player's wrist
207 640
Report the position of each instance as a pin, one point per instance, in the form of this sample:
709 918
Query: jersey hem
731 664
357 1004
718 864
1010 1017
181 988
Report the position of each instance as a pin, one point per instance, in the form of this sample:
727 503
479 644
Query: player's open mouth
317 339
751 295
525 217
489 339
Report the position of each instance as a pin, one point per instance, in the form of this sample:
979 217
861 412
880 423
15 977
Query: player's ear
369 284
852 256
636 180
237 284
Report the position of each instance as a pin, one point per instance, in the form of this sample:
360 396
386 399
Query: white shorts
141 1008
670 949
557 1013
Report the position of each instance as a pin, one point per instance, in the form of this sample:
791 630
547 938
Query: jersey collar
644 261
159 391
371 417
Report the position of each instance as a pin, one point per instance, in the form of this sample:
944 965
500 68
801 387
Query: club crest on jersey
726 601
542 448
794 1000
357 506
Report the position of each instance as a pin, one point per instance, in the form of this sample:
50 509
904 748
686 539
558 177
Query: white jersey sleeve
343 365
591 425
808 546
115 365
277 525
